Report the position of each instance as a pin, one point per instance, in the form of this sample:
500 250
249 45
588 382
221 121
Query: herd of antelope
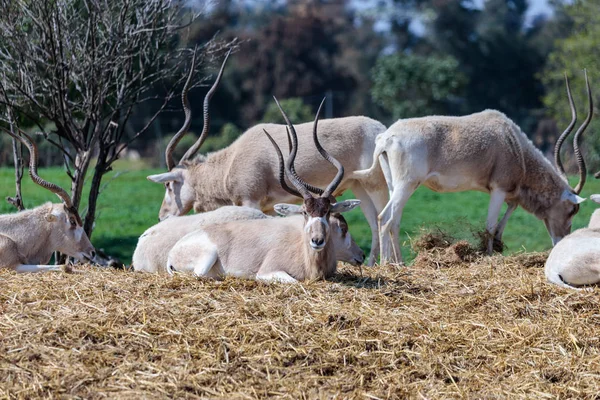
236 191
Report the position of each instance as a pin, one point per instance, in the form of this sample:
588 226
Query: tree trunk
17 201
99 171
82 162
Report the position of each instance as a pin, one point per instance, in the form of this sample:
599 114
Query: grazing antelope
575 260
487 152
274 249
28 238
245 173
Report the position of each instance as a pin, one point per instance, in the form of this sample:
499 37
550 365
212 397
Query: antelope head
68 236
179 193
316 210
558 218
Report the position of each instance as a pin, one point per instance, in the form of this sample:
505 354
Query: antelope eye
574 210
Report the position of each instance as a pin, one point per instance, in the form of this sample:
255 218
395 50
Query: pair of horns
188 116
580 161
304 189
33 164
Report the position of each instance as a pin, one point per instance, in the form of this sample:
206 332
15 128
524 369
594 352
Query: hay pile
491 328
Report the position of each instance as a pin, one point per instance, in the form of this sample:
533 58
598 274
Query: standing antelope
245 173
28 238
274 249
487 152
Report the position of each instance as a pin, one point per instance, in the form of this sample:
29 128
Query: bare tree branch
82 66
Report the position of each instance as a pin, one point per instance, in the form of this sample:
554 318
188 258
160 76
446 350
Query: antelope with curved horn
246 172
153 246
28 238
486 152
274 249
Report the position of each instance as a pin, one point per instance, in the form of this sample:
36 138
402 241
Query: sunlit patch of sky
536 8
207 5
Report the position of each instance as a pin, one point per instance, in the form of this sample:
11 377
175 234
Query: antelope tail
379 161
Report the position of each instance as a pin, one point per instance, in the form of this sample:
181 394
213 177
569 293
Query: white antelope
275 249
29 238
575 260
153 246
486 152
246 172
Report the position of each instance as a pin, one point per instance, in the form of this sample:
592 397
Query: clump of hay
455 254
530 260
489 327
482 237
437 248
432 239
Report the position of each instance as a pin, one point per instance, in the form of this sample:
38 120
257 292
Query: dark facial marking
342 222
72 213
574 211
317 207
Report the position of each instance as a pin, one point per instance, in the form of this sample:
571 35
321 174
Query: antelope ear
287 209
166 177
572 197
595 198
55 214
343 206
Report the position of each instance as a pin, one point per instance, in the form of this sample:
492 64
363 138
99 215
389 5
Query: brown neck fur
542 184
319 265
208 178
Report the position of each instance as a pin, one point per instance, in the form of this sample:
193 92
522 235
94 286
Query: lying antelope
275 249
575 260
487 152
30 237
246 172
154 245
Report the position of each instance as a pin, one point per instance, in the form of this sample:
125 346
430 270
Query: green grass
129 204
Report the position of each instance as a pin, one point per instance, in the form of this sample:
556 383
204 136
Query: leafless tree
81 67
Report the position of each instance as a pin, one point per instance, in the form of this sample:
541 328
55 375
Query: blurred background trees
571 54
388 59
392 59
407 85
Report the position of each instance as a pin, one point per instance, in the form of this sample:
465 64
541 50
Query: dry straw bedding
442 328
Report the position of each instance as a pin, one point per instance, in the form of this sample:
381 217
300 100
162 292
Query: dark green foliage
571 55
498 53
296 110
292 49
414 86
